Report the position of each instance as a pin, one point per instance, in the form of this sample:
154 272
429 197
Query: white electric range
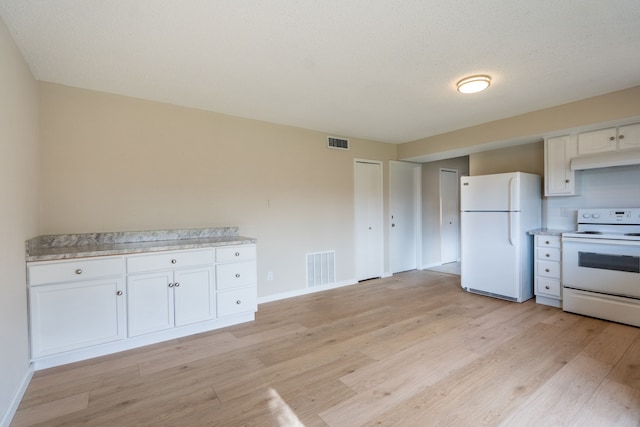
601 265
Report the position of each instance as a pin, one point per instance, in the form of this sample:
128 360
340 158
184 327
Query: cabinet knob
177 285
566 181
238 302
237 253
547 287
547 255
119 293
546 269
237 275
612 138
79 271
171 285
173 261
621 137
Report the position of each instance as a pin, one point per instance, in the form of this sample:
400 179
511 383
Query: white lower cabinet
547 270
236 280
162 296
70 312
93 306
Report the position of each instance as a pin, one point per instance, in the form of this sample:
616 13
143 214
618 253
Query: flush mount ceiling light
473 84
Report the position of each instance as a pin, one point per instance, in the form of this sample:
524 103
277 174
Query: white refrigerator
497 211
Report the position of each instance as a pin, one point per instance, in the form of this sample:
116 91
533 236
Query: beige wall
615 106
19 212
521 158
431 242
112 163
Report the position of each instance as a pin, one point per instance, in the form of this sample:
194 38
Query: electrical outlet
270 275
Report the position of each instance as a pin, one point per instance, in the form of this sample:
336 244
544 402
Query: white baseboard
17 398
305 291
433 264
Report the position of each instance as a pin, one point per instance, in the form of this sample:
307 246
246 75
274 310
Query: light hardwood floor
410 350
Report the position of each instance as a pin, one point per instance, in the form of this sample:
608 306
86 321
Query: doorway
405 213
369 243
449 216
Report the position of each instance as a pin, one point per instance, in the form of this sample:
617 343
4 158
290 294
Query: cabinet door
69 316
629 136
150 302
194 295
558 176
597 141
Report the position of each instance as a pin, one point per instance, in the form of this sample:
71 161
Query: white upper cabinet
611 139
559 179
597 141
629 136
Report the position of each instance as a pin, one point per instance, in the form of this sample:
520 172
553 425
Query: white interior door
404 195
368 219
449 216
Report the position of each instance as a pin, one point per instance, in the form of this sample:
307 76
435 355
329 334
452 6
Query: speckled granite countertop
548 232
69 246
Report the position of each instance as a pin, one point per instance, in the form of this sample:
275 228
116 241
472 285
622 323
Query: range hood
606 159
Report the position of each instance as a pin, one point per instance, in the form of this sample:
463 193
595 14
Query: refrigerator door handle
510 227
510 202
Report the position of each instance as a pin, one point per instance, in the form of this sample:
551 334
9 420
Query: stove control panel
609 216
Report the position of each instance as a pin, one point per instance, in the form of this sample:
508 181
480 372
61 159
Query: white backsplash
617 187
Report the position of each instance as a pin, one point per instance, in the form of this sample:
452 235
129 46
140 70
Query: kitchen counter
69 246
547 232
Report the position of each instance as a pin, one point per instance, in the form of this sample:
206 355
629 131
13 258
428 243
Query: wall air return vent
338 143
321 268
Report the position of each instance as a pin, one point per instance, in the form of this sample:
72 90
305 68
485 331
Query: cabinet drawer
237 301
548 269
67 271
165 260
548 241
548 287
236 253
551 254
236 274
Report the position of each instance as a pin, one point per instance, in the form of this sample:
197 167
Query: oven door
601 265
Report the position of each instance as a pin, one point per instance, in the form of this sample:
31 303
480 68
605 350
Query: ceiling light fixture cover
473 84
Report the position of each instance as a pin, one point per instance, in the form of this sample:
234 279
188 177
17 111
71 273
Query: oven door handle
599 241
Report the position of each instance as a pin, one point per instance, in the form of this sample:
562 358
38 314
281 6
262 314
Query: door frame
417 199
440 192
379 215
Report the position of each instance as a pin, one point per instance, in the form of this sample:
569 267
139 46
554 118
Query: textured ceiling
383 70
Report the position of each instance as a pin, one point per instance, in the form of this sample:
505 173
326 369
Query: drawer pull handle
237 254
119 293
238 302
237 275
173 261
79 271
547 270
547 287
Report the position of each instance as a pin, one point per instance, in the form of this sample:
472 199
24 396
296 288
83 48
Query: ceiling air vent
339 143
